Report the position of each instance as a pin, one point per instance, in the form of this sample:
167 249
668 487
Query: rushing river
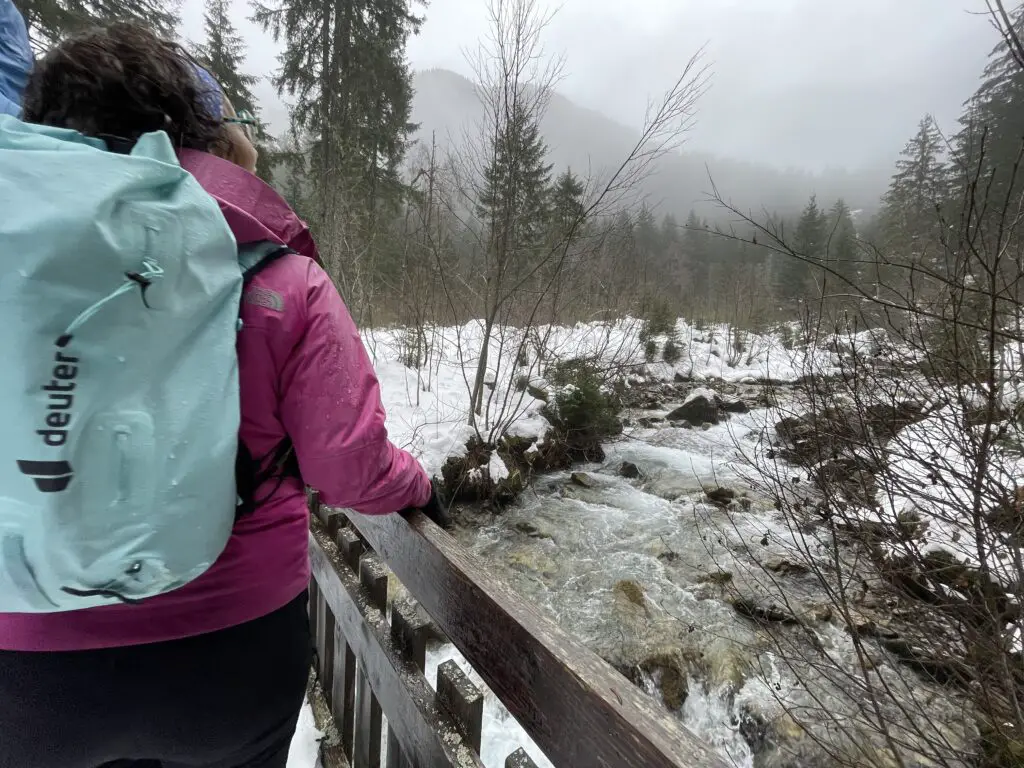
641 569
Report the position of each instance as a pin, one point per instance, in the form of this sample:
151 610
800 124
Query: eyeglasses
246 121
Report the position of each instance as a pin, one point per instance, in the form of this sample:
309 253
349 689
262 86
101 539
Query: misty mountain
446 106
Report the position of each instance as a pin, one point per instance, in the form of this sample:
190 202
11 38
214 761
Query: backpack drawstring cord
151 271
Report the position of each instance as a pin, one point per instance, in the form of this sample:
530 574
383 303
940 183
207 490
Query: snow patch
305 748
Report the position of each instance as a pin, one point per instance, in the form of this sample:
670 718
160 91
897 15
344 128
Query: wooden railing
371 658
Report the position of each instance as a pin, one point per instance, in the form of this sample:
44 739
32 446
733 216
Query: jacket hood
253 209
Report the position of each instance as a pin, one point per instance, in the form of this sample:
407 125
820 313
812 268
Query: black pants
228 699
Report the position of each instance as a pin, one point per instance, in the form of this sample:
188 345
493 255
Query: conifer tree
344 65
567 203
910 219
809 241
697 252
514 201
843 256
51 20
222 53
992 126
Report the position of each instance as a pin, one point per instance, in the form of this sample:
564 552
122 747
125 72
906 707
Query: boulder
852 475
528 560
733 405
537 393
583 480
718 577
630 470
720 496
820 435
669 672
699 408
632 591
533 531
785 567
762 612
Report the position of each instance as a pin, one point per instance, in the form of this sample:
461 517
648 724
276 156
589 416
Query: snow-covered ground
428 407
305 749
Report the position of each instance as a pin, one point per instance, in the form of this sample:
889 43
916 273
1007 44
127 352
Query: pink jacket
304 373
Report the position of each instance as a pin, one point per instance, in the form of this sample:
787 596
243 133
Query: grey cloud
798 83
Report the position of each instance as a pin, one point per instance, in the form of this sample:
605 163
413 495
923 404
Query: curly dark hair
121 81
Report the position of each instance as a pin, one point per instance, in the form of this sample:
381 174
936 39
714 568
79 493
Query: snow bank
305 749
934 481
428 407
722 352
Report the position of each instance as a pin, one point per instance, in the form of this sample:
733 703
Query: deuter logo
50 476
55 476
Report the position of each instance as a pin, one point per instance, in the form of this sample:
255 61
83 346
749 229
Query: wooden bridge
371 655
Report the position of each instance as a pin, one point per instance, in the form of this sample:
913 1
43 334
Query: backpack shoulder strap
254 258
253 471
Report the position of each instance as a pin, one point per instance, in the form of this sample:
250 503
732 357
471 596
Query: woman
211 675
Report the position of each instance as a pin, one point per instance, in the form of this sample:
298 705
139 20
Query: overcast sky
801 83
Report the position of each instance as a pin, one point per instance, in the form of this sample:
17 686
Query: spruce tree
222 53
809 242
52 20
697 253
909 218
992 126
514 201
567 204
344 65
843 254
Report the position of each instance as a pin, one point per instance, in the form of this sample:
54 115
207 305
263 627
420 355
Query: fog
808 84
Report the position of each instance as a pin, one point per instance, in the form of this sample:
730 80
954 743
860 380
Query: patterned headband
210 94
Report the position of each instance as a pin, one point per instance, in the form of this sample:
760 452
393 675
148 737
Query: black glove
436 510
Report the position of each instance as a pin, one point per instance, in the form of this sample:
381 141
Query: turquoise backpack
119 297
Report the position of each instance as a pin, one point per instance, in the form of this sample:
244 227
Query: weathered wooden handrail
578 710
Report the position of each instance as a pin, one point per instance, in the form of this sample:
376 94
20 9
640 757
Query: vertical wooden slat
374 579
366 745
395 757
325 645
345 673
351 547
313 608
409 630
463 700
333 520
519 759
343 692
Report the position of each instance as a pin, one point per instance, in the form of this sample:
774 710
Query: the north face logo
50 476
264 297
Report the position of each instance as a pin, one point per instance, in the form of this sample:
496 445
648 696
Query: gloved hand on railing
435 509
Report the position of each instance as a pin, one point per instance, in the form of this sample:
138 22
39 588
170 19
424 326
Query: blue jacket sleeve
15 58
